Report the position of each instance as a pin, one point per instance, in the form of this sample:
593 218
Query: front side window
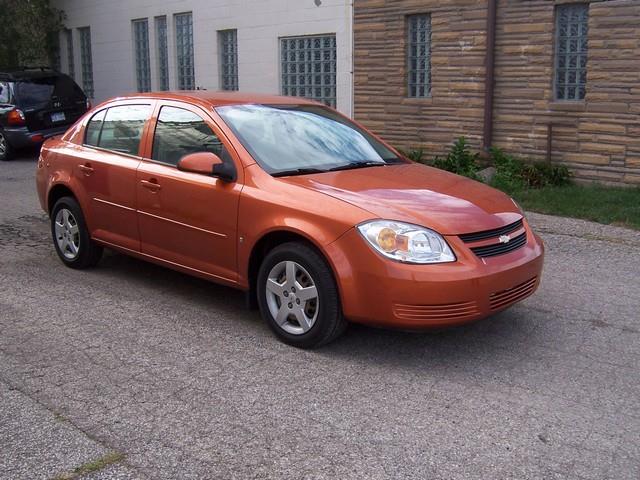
572 23
162 53
86 61
309 67
184 51
122 128
303 138
180 132
228 45
141 49
419 56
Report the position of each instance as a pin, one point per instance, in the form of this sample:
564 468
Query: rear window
122 128
37 92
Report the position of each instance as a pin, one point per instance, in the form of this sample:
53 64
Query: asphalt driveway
134 371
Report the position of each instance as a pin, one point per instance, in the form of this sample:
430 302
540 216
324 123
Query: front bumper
21 137
378 291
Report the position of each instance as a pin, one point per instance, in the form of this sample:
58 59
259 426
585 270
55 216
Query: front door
187 219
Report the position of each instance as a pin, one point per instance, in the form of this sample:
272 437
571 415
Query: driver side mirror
207 163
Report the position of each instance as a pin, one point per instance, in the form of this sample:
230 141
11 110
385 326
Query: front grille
477 236
425 313
501 248
512 295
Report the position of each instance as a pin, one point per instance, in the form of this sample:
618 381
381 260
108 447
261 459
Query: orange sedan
317 219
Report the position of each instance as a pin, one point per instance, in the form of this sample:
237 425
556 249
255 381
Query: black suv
36 104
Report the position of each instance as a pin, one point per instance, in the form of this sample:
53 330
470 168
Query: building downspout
487 137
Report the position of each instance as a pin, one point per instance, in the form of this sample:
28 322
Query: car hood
415 193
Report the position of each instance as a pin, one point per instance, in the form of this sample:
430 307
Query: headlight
406 242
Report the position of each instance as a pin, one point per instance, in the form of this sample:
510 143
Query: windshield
298 139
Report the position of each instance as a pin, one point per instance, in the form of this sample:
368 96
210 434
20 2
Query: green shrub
513 174
459 160
415 154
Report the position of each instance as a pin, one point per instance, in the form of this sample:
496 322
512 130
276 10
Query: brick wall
598 138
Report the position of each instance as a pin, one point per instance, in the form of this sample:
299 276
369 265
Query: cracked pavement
175 374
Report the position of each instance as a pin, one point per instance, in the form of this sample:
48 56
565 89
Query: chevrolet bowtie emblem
504 238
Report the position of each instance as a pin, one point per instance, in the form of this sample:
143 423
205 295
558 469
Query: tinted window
180 132
38 91
92 134
122 128
4 92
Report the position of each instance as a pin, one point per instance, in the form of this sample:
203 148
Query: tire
6 152
71 237
291 310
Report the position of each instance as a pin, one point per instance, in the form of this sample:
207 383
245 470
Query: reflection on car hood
414 193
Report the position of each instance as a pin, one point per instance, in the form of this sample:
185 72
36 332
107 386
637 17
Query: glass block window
141 49
184 51
228 46
71 70
419 56
572 22
162 52
85 60
309 67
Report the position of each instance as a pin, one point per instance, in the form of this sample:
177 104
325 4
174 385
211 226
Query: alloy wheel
67 234
292 297
3 145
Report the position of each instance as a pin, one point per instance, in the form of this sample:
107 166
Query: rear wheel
5 149
71 237
298 296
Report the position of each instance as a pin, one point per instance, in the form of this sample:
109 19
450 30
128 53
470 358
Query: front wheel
71 237
298 296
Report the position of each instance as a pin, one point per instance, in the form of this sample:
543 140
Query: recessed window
68 36
572 23
86 61
141 48
162 53
184 51
180 132
419 56
228 47
309 67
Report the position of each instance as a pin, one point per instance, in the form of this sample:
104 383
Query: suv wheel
70 235
298 296
5 148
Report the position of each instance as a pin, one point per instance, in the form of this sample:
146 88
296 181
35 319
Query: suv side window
180 132
122 128
4 92
94 127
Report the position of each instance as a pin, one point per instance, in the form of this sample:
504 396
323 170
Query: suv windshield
37 92
299 139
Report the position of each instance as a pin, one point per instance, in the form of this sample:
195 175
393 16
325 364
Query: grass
93 466
598 203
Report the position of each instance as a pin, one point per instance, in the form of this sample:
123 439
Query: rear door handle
87 169
152 185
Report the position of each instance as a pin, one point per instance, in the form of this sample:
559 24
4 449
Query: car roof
219 98
28 73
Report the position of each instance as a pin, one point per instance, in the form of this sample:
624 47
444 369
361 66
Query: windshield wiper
352 165
297 171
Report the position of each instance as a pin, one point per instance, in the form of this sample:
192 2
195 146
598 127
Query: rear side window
4 92
94 127
121 128
180 132
37 92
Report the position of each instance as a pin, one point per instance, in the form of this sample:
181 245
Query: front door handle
87 169
152 185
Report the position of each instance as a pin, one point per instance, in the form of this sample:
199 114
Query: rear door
186 218
106 167
50 101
